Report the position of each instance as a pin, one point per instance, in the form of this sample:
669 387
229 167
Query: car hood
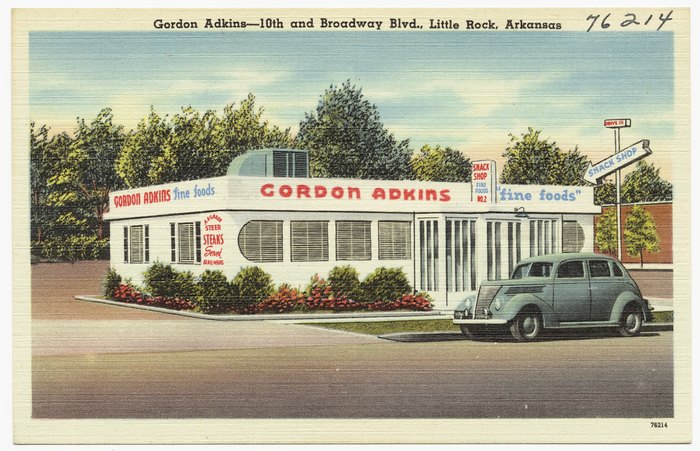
517 282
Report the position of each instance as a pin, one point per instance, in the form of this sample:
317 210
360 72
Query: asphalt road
583 377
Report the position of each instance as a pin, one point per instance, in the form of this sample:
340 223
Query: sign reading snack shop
483 181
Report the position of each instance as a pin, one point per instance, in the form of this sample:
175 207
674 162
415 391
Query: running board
585 324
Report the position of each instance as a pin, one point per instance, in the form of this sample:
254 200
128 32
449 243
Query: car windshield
537 269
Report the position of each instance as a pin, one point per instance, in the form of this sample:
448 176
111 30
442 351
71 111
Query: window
287 163
309 241
186 242
572 236
543 237
460 250
599 268
570 270
261 241
353 240
394 240
616 270
136 244
540 269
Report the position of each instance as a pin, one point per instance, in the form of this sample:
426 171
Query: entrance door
428 241
460 254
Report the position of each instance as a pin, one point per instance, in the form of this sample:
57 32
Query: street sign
617 123
615 162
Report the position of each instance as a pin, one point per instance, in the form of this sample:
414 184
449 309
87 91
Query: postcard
351 225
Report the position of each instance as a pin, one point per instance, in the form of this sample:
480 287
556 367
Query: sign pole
618 190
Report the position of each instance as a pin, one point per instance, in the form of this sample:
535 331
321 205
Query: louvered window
136 244
394 240
261 241
287 163
309 241
353 240
186 243
573 236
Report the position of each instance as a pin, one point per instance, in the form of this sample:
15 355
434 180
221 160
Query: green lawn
427 325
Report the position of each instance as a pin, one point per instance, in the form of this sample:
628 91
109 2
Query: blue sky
465 90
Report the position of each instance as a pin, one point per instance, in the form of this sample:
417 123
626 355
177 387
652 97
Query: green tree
87 174
531 160
640 233
191 145
440 164
141 148
243 128
645 184
191 151
346 138
41 162
604 194
606 232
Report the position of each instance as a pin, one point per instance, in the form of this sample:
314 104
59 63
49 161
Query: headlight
497 304
468 304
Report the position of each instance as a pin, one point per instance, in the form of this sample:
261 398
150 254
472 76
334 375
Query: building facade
446 237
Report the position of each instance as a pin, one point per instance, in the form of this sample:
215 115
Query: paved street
115 362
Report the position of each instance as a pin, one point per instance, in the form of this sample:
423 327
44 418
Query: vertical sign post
616 125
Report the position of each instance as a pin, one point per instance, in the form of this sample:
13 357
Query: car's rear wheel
631 321
526 326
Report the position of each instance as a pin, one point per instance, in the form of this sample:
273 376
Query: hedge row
251 291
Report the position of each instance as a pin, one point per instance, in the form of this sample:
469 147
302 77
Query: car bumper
480 321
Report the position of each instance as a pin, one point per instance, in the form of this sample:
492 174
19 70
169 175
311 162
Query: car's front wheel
631 321
526 326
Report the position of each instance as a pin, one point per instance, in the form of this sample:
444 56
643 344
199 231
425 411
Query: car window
570 270
599 268
540 269
616 270
520 271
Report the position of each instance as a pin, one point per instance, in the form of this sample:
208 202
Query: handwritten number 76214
630 19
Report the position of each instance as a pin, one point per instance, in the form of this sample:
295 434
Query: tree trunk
641 258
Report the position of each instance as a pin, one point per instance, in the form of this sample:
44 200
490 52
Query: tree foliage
640 233
86 175
346 138
531 160
644 184
440 164
606 232
193 145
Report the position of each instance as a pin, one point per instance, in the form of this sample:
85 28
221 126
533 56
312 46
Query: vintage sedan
556 291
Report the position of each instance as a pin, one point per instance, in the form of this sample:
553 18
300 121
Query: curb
296 317
424 337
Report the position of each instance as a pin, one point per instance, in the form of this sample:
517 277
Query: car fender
520 301
625 298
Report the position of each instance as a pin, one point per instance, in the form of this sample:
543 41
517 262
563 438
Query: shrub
416 302
160 280
111 282
185 286
73 248
385 284
251 285
214 292
345 280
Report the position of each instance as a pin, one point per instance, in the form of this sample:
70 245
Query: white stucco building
445 236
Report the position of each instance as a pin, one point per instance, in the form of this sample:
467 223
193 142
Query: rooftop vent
271 163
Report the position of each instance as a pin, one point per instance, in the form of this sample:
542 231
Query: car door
572 294
604 289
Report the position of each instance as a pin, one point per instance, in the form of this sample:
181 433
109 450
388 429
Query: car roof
556 258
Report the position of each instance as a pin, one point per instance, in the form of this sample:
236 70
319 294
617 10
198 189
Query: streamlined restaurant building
267 212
